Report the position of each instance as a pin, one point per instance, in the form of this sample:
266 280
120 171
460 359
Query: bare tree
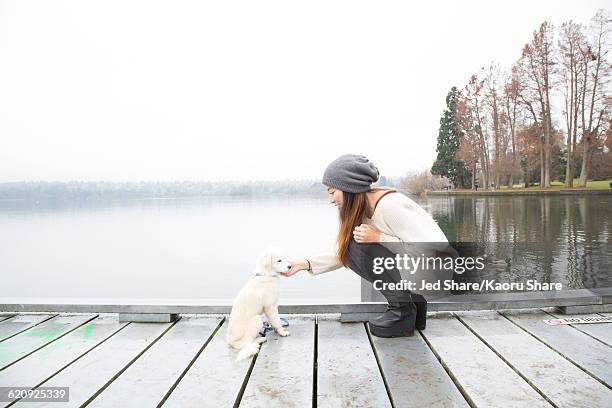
511 104
419 182
492 98
594 105
571 38
474 95
469 149
537 67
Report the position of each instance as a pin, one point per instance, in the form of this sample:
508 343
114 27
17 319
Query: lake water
203 250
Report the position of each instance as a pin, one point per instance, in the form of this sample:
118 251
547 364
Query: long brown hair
351 213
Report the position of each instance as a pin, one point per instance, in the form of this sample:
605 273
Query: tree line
504 125
101 190
105 190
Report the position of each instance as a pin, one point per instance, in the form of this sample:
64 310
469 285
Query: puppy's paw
282 332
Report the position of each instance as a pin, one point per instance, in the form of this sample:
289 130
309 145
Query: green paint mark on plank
45 333
88 331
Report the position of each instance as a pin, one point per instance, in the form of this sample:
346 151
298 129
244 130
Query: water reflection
204 248
551 239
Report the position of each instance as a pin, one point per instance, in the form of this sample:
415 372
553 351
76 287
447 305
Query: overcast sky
134 90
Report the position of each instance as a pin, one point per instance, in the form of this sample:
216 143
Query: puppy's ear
265 262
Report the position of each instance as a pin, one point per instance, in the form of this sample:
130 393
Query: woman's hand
365 233
296 266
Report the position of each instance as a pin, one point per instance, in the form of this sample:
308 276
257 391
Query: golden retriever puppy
259 295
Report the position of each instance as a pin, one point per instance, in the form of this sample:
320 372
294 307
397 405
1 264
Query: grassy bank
557 187
591 184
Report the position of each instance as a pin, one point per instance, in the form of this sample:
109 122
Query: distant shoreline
511 192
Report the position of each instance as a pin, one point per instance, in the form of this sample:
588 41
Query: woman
368 217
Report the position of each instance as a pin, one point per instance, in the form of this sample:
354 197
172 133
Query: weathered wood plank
214 379
584 351
561 381
148 317
414 375
347 371
515 300
483 376
20 323
601 331
26 342
605 293
282 376
44 363
94 370
585 309
146 382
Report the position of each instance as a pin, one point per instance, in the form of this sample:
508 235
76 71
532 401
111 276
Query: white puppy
259 295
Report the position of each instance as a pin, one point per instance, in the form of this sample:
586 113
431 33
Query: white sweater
399 219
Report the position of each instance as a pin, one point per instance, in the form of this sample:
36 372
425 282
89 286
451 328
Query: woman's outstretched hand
365 233
296 266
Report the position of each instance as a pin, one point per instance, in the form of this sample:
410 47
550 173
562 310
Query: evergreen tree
449 140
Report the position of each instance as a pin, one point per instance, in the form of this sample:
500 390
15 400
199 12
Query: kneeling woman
369 216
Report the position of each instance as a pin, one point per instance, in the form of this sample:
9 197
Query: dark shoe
397 321
421 315
267 326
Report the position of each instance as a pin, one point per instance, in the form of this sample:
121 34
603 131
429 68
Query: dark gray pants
361 261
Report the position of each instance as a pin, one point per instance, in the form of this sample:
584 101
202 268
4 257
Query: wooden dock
509 358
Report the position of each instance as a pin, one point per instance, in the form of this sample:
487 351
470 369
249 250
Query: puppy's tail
248 350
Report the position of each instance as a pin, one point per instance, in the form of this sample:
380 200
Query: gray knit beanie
351 173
